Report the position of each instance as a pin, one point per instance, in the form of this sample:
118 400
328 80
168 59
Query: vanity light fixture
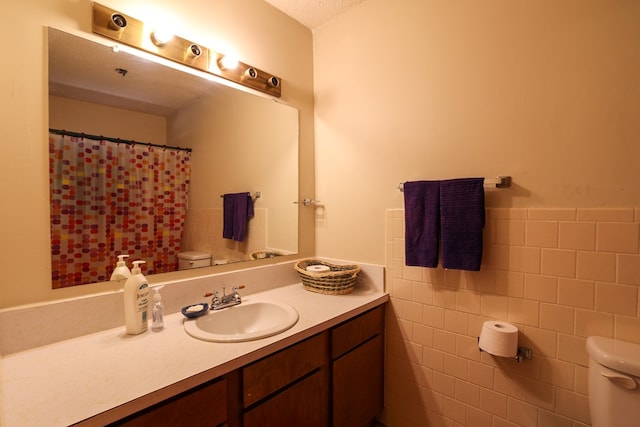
130 31
250 73
194 51
117 22
273 81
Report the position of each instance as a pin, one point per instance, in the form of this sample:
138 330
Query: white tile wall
560 275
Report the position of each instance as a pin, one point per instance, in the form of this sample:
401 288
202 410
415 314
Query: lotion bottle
121 271
136 301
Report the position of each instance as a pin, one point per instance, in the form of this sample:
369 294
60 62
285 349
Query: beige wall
78 116
257 153
545 91
258 33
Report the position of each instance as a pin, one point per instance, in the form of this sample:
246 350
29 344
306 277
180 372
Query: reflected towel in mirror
237 210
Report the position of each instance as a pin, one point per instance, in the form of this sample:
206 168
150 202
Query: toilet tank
614 382
193 259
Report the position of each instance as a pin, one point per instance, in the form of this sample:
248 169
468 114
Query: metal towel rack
498 182
255 196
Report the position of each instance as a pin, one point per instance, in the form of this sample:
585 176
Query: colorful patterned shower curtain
109 199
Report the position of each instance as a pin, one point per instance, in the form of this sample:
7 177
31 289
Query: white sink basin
245 322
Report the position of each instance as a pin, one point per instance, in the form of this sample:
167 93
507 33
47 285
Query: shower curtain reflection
112 198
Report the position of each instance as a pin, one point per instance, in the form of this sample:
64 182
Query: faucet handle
236 295
215 299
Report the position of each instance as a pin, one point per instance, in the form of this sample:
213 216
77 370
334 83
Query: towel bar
255 196
498 182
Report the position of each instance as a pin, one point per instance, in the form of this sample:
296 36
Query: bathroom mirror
240 141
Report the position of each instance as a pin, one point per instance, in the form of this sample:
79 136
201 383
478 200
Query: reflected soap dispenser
121 271
157 321
136 301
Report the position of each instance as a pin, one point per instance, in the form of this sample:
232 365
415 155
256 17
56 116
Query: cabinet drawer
270 374
303 404
205 405
356 331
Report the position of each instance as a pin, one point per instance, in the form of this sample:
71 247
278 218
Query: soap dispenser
157 321
121 271
136 301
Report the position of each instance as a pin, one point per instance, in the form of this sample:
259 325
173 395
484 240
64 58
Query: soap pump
121 271
157 321
136 301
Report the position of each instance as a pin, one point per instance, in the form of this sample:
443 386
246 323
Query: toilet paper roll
317 268
499 338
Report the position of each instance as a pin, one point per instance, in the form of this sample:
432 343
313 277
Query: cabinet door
303 404
274 372
205 405
354 332
358 394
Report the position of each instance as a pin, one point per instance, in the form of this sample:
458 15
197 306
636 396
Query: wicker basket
264 254
339 280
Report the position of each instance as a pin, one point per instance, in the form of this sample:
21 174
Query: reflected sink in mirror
245 322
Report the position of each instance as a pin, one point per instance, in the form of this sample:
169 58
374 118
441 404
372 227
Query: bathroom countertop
73 380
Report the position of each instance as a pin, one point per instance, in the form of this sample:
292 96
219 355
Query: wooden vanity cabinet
334 378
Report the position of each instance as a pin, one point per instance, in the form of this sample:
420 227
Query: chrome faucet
218 303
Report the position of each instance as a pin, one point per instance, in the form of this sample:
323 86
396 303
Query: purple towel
422 223
237 210
462 221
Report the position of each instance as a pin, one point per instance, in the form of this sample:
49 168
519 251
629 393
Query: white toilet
614 382
193 259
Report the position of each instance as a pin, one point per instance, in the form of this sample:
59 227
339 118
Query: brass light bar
132 32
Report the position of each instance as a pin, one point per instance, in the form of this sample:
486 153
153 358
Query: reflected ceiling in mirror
240 141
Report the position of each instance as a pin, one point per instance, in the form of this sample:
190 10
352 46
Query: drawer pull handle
624 380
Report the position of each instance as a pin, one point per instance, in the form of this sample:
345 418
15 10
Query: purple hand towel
422 223
237 210
462 221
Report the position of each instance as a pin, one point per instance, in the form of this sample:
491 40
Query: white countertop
69 381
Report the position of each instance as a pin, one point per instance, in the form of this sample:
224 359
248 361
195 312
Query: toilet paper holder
524 353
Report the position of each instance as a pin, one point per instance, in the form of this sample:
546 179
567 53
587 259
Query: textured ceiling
313 13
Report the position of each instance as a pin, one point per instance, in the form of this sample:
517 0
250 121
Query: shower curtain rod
116 140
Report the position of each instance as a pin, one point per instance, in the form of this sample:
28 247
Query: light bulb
228 62
161 36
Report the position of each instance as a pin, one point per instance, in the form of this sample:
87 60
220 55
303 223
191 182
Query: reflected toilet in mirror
193 259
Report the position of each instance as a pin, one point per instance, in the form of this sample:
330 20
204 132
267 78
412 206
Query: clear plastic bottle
157 312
